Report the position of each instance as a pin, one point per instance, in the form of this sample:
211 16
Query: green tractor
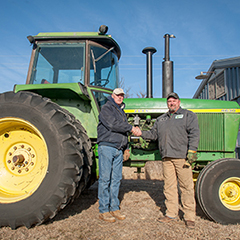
48 132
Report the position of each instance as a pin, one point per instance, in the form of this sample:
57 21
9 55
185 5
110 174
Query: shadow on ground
154 188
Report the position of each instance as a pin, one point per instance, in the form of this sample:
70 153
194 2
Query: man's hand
126 155
136 131
191 157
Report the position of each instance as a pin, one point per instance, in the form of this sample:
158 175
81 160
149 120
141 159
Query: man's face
118 98
173 104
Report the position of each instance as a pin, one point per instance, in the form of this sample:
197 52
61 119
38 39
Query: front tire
218 191
43 155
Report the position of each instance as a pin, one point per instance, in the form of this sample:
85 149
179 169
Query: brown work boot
166 219
190 224
107 217
117 214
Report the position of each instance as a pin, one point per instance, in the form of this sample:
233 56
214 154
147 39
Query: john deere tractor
48 132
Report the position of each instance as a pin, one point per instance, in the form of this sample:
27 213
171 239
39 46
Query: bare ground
142 200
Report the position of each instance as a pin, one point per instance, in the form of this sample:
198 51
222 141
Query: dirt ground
142 200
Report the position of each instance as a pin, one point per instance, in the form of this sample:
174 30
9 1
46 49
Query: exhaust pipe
149 51
167 69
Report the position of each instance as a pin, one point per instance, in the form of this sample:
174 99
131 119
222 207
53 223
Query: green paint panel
231 126
54 91
134 164
141 155
211 132
218 131
70 97
209 156
83 112
157 103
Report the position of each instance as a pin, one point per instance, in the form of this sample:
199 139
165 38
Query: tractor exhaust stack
167 69
149 51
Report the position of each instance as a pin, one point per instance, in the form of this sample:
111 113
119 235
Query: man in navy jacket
113 129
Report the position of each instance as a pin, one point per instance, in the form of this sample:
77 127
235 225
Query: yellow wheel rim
229 193
23 159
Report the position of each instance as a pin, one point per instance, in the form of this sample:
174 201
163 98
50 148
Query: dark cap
174 95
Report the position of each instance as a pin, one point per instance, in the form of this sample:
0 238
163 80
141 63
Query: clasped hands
136 131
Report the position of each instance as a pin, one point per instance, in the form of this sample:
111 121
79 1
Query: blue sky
205 31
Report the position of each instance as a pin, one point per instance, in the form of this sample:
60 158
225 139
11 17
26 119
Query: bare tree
126 89
141 94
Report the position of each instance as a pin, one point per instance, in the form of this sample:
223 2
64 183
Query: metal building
221 82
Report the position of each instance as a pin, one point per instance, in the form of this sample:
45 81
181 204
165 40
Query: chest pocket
179 122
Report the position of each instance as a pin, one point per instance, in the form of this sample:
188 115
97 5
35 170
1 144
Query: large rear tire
45 158
218 191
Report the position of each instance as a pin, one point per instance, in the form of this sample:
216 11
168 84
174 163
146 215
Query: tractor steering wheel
105 82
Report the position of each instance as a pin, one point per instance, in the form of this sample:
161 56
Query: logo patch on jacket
179 116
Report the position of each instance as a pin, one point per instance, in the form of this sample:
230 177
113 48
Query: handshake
136 131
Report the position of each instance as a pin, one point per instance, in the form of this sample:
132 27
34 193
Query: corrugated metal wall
232 86
232 83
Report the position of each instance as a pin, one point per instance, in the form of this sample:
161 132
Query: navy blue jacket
113 126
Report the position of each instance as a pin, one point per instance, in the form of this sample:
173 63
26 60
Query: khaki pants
173 172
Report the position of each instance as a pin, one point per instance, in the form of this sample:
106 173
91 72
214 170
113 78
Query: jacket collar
112 100
177 112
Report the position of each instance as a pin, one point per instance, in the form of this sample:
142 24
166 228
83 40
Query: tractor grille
211 131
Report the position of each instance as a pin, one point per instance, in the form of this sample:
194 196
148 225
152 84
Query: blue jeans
110 175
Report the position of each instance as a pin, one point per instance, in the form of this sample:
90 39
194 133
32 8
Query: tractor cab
87 58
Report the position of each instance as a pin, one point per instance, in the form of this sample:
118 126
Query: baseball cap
118 91
174 95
